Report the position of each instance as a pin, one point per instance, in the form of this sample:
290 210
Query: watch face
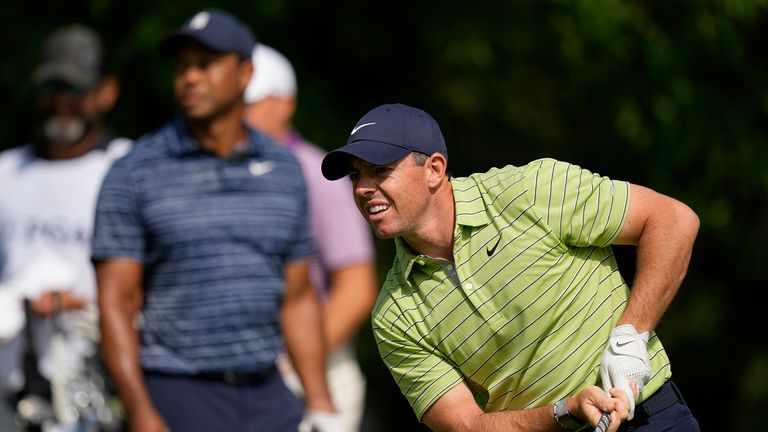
561 409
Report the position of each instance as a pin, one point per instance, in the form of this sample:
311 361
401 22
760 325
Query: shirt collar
184 144
470 203
470 211
404 257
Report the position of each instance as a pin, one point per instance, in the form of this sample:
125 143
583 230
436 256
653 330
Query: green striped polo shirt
524 312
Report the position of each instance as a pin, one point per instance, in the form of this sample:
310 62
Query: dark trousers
194 404
674 418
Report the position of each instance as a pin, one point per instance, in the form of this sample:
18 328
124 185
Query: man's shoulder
549 170
118 147
496 177
275 151
396 283
548 165
15 157
270 148
493 181
311 157
502 172
287 163
14 154
151 145
309 150
398 305
390 295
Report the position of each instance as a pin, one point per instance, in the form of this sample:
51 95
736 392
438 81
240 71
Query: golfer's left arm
457 410
302 324
663 229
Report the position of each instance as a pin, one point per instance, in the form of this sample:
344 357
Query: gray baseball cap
73 55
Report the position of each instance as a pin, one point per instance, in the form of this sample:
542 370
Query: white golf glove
321 421
626 359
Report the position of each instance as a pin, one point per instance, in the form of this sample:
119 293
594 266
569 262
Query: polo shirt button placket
452 274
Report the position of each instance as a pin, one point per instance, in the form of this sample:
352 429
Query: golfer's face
390 197
208 83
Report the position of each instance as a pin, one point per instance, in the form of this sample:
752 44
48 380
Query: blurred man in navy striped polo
204 229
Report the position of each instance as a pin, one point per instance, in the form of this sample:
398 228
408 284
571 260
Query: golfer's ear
437 165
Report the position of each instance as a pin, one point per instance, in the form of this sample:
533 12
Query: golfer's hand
321 421
591 402
625 360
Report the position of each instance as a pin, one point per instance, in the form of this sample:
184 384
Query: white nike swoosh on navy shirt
260 168
357 128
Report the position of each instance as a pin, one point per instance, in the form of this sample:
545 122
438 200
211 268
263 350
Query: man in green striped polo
504 307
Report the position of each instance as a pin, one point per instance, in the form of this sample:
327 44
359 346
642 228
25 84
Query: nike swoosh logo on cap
357 128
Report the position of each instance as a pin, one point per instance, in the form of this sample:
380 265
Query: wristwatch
564 418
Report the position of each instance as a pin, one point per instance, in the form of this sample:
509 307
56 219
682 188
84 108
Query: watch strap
564 418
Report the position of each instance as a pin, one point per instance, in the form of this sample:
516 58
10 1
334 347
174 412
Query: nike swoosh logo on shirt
493 249
260 168
357 128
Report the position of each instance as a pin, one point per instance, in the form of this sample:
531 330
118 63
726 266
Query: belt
662 399
238 378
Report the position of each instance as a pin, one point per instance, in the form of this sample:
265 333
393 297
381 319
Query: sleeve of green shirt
581 207
420 371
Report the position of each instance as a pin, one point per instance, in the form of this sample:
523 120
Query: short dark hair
419 158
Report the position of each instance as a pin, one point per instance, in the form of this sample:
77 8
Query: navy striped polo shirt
213 235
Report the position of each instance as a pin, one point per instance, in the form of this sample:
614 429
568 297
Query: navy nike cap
215 29
385 135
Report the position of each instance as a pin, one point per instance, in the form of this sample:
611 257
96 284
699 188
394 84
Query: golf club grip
602 425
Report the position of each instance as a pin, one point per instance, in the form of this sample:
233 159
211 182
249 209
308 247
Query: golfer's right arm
457 411
120 298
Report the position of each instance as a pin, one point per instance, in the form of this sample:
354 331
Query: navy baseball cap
385 135
214 29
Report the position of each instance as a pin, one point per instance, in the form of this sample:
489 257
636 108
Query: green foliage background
671 95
